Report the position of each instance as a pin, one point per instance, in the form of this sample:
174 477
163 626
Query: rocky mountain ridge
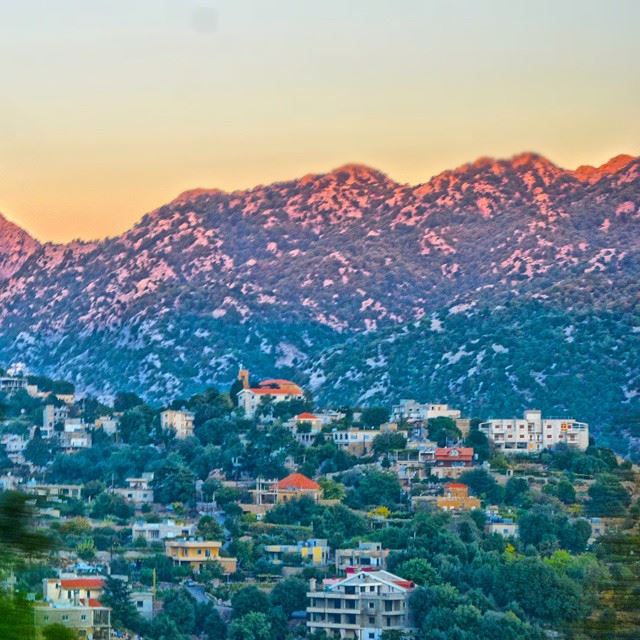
287 275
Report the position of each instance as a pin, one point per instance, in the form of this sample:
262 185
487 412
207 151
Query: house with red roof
268 493
270 390
450 462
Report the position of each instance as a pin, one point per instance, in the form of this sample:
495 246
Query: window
372 605
372 620
372 635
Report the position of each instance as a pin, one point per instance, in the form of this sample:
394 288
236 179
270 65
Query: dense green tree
174 481
290 594
59 632
373 488
126 400
254 625
608 497
124 614
249 599
443 430
419 571
374 416
386 442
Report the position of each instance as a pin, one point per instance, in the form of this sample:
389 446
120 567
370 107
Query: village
255 501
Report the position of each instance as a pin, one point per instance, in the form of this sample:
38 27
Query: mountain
497 285
16 246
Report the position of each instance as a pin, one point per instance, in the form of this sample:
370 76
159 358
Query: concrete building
52 416
55 492
413 412
91 622
72 590
14 446
356 441
180 422
533 433
505 527
138 490
159 531
143 601
196 553
11 384
368 555
314 551
361 606
456 498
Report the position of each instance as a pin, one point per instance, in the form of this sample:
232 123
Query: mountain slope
16 246
310 275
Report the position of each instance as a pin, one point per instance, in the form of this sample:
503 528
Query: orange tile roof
306 416
298 481
82 583
455 485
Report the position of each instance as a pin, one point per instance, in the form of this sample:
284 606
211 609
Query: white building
158 531
274 390
361 606
533 433
413 411
181 422
369 555
138 490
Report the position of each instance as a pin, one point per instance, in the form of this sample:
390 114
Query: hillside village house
92 622
414 412
158 531
361 606
72 590
314 551
368 555
180 422
456 498
450 462
138 490
196 553
533 433
272 390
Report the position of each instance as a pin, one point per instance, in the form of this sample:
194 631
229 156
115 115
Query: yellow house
198 552
456 498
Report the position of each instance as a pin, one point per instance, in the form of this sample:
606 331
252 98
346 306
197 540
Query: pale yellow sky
110 110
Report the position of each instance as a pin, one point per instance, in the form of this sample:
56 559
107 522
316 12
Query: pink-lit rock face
16 246
348 251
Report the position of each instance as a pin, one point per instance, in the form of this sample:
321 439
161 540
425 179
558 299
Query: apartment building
360 606
180 422
368 555
196 553
533 433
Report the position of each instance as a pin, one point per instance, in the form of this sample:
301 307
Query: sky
111 108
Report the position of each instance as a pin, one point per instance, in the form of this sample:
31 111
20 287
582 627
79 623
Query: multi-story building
314 551
180 422
196 553
159 531
456 498
450 462
368 555
11 384
273 390
138 490
72 589
361 606
52 416
91 621
533 433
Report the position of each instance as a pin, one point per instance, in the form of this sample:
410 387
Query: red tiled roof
405 584
306 416
455 485
82 583
298 481
465 454
94 603
275 392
